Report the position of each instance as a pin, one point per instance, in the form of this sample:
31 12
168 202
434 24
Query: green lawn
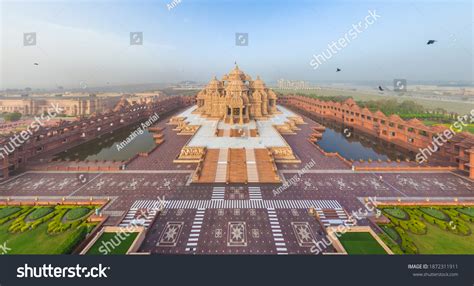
397 212
39 213
467 128
6 211
361 243
37 241
467 211
438 241
120 246
76 213
435 213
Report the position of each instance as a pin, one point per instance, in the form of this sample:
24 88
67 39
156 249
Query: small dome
272 94
258 83
214 84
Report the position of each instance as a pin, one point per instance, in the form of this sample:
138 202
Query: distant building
295 84
72 105
187 85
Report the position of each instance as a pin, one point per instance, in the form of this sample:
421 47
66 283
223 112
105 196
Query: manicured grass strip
39 213
467 211
435 213
112 243
6 211
76 213
397 213
361 243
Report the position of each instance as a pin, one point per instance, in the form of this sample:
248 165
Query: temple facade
236 98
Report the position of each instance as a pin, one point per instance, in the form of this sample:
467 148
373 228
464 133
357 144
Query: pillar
241 119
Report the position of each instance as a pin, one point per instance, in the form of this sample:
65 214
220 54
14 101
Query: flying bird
430 42
380 88
338 70
36 64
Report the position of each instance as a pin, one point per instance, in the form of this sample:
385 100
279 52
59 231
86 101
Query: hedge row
21 225
55 215
413 225
74 239
407 245
391 243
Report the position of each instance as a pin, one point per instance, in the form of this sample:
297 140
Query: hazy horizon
87 43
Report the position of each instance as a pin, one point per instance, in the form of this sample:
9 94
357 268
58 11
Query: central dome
237 74
236 98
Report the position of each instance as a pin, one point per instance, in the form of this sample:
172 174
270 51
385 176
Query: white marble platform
205 136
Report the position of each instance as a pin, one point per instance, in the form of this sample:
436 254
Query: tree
15 116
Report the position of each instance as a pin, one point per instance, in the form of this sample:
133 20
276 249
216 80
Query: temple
236 129
236 98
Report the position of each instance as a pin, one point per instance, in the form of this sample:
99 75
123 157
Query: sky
87 43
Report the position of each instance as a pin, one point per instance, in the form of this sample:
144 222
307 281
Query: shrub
417 227
14 116
393 245
19 222
407 244
70 243
442 224
57 225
